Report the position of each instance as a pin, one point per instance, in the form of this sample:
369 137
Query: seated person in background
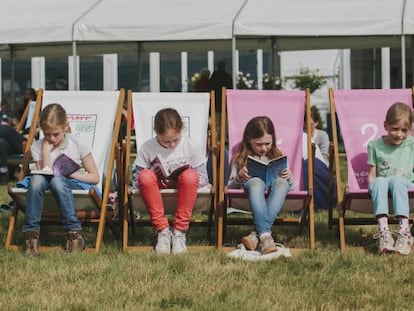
319 136
321 176
5 113
11 142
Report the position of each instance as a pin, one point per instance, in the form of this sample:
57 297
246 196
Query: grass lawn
324 279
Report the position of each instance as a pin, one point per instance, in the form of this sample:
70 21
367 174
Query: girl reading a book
56 140
259 140
170 146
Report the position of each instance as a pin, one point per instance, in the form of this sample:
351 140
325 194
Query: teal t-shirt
392 160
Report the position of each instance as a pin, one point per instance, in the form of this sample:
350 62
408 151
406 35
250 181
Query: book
266 171
172 168
62 166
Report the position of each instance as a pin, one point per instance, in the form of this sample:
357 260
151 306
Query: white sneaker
386 242
404 243
178 242
164 242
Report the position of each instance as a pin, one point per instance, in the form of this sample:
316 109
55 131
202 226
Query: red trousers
187 185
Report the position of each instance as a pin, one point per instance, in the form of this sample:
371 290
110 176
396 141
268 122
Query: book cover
62 166
266 171
170 169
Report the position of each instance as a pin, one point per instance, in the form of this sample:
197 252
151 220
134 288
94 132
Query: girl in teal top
391 163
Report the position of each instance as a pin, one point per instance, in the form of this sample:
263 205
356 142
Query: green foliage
308 79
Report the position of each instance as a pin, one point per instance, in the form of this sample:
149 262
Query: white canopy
409 18
158 20
320 18
41 21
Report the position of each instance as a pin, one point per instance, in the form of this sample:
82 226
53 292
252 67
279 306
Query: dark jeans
11 142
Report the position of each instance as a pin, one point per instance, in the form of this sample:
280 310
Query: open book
62 166
266 171
170 169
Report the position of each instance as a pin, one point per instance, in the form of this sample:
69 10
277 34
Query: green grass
324 279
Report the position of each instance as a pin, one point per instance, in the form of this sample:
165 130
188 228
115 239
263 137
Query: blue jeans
61 187
398 187
265 210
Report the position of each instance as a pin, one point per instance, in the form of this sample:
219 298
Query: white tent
109 26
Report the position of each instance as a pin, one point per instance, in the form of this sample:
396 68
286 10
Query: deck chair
25 123
94 117
194 109
361 115
287 110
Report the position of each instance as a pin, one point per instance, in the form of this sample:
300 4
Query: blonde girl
391 162
56 140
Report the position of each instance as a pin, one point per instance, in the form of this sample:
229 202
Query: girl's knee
398 180
146 177
189 176
280 183
59 184
37 182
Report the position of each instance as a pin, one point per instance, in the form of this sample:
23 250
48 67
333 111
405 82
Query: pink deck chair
287 110
361 115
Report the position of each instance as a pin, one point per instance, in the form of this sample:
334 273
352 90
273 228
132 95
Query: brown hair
53 115
256 128
399 112
166 119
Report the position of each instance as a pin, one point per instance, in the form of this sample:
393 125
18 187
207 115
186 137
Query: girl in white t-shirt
55 127
170 145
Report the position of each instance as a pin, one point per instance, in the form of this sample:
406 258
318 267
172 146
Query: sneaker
403 243
164 242
74 242
267 245
386 242
178 243
250 241
32 243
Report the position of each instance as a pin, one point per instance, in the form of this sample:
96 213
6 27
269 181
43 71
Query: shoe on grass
250 241
386 242
32 243
74 242
163 245
178 243
403 243
267 245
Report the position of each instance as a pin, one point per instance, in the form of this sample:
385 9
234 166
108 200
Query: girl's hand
243 174
286 174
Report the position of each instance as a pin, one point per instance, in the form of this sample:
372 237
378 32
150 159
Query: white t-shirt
318 153
70 146
186 148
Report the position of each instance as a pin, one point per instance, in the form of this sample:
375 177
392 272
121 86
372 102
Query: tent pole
403 65
12 95
75 66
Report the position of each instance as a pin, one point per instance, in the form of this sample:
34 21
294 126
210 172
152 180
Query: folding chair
361 115
25 122
94 117
194 109
287 110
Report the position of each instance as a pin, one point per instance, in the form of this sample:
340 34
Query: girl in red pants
175 151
